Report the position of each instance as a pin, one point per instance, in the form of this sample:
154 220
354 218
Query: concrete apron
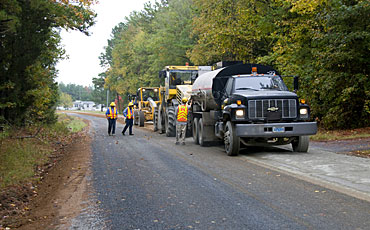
346 174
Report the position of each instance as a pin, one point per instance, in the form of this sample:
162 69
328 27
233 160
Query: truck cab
245 106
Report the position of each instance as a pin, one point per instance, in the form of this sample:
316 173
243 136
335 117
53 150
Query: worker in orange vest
128 113
181 121
111 116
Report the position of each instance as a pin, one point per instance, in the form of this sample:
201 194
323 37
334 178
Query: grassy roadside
81 111
332 135
22 151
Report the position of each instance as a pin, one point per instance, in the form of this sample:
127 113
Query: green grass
19 157
74 124
85 111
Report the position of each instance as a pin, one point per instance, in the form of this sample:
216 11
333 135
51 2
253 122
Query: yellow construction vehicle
146 101
178 82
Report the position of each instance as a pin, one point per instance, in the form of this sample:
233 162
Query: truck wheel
136 117
155 121
141 118
170 122
301 144
232 142
195 131
201 132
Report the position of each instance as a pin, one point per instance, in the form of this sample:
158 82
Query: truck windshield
152 93
260 83
182 77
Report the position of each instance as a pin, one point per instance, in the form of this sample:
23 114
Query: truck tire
170 123
141 118
231 141
301 144
195 130
136 117
155 121
201 133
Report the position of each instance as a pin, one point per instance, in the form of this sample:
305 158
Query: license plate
278 129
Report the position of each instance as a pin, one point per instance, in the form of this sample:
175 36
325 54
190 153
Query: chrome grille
258 109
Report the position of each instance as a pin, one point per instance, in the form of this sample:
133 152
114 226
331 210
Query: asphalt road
145 181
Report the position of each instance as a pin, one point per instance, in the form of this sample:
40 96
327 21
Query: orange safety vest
130 115
182 113
114 114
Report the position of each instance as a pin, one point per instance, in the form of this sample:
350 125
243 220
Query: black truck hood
249 94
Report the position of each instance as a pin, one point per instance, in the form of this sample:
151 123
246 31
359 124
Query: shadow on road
265 150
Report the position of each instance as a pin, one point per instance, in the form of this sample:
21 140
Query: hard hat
184 100
130 104
112 104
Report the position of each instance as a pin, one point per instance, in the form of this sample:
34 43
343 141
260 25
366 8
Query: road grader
146 101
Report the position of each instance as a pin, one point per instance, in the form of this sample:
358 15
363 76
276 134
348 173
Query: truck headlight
239 113
303 113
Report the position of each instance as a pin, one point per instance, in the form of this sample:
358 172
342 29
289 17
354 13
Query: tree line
30 48
325 42
72 92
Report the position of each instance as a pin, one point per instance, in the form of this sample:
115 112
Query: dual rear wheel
198 131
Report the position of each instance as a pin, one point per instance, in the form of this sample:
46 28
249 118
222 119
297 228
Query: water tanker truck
248 104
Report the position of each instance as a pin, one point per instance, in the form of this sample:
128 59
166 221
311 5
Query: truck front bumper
276 129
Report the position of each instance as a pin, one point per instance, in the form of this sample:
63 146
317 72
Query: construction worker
111 116
181 121
128 113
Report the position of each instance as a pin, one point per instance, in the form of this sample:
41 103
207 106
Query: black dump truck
248 104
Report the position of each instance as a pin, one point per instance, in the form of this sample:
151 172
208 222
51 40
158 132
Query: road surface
145 181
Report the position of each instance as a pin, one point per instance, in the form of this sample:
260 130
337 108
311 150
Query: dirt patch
58 196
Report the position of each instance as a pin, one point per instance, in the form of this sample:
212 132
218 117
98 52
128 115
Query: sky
84 51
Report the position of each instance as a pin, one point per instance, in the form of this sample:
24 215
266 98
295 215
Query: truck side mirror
296 83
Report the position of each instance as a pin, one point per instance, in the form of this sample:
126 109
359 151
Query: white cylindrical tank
202 90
